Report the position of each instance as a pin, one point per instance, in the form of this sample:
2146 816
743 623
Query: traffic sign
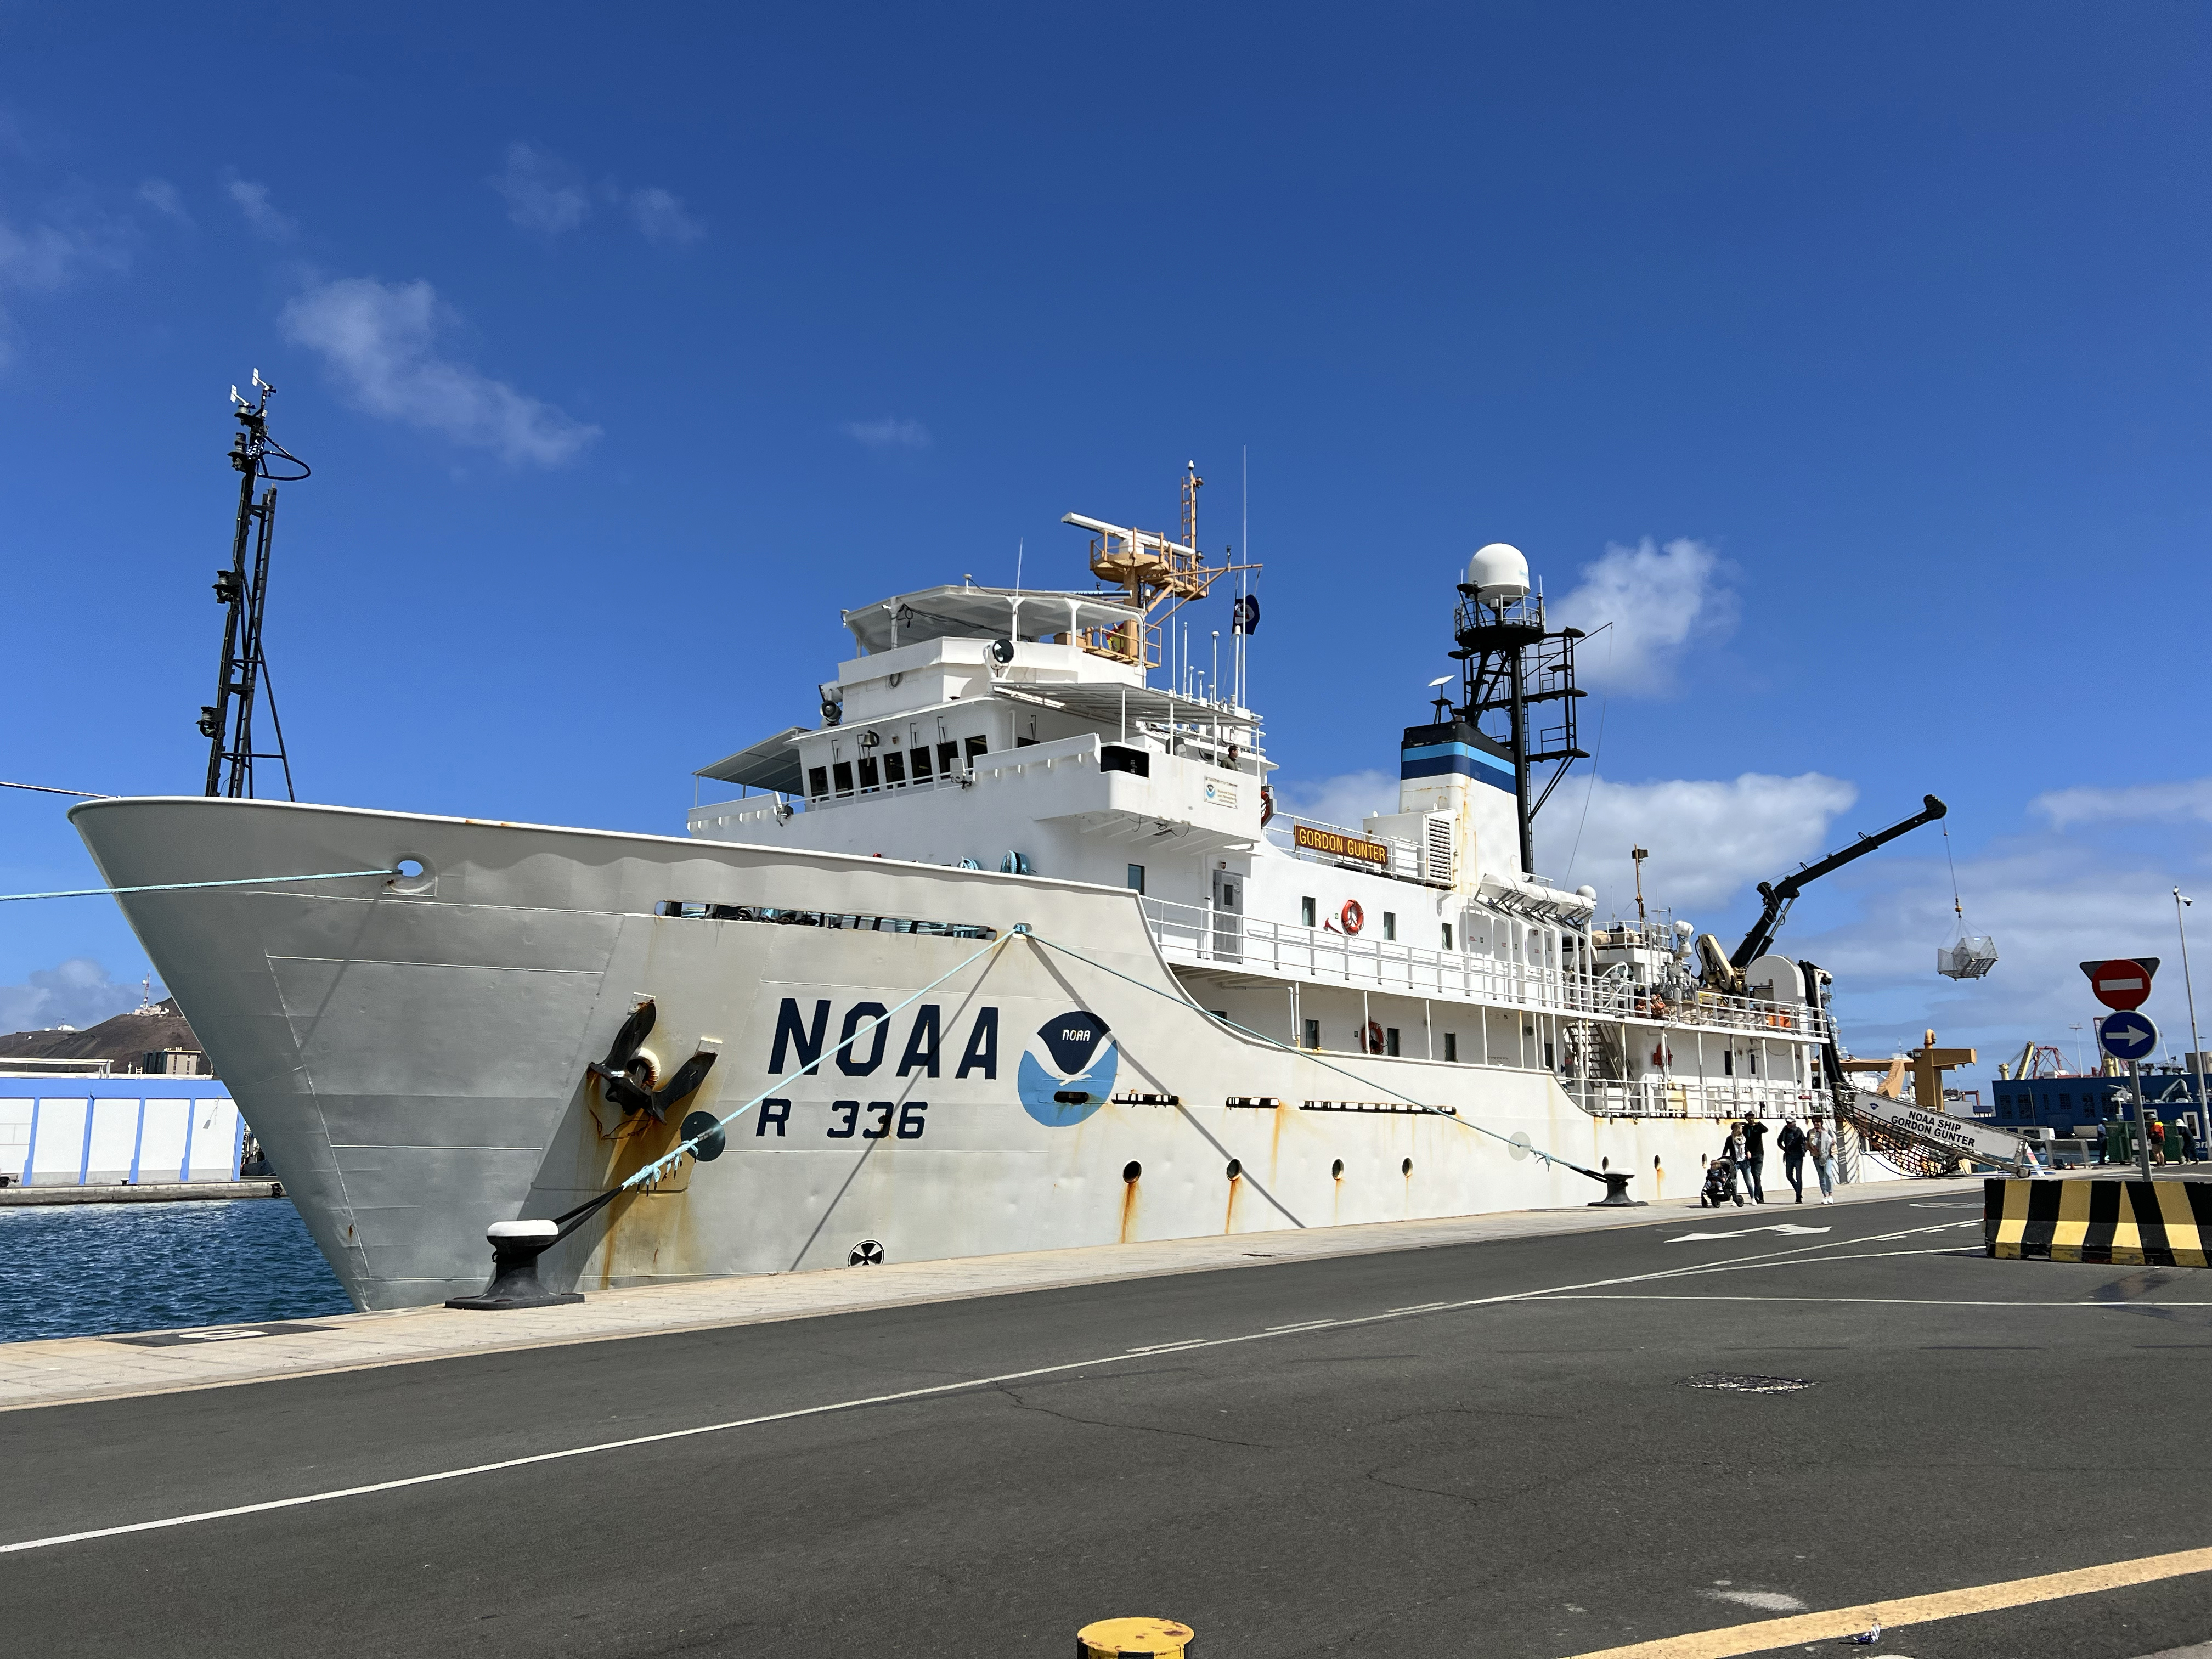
2128 1037
2123 983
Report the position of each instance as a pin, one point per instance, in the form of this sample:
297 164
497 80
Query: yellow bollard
1134 1638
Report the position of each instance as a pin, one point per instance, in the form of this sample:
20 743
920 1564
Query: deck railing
1201 934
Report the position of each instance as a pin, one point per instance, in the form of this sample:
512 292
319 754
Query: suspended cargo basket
1973 956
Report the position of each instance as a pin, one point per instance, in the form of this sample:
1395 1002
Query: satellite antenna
243 591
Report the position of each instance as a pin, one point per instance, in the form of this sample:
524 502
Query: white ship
1012 950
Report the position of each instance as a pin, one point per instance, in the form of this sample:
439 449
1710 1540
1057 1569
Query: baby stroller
1720 1185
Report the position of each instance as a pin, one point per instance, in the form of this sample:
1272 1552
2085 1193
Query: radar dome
1499 573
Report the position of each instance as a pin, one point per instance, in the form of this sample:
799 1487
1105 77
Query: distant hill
125 1040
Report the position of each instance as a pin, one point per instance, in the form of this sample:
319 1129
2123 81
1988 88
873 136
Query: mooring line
183 886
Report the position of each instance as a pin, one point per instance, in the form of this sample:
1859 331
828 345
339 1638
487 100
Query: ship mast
243 674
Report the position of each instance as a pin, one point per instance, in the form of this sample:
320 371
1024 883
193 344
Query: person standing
1821 1143
1755 1146
1791 1140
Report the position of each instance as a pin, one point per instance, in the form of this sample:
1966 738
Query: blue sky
1852 360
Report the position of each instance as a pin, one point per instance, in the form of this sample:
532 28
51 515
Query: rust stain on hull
1128 1210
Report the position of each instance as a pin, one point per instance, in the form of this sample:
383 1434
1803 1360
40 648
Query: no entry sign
2123 983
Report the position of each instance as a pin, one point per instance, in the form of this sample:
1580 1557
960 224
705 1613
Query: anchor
516 1245
626 1078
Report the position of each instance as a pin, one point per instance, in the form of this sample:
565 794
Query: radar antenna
228 722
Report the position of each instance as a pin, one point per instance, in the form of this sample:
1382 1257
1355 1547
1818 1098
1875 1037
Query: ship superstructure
1010 949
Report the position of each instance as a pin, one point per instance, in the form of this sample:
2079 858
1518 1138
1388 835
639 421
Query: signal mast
228 722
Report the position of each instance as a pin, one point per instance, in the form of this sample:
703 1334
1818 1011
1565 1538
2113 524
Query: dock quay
1346 1439
149 1192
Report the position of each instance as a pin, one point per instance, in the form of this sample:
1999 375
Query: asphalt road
1525 1473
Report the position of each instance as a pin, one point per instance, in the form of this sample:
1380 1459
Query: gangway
1925 1143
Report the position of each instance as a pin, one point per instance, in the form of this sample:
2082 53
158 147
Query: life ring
1351 916
1267 805
1374 1037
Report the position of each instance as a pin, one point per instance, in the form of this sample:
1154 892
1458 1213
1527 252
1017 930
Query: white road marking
1783 1227
1563 1292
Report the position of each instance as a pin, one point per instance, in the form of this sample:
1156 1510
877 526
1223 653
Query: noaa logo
1067 1070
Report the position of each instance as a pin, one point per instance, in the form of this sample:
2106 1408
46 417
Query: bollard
515 1248
1134 1638
1616 1192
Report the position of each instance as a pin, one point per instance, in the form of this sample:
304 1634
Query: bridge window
977 747
869 777
922 763
817 782
840 774
948 759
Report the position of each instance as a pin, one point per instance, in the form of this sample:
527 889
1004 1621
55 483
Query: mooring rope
48 789
185 886
1308 1054
662 1166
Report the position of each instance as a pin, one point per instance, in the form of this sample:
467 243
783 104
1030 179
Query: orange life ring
1267 805
1374 1037
1351 916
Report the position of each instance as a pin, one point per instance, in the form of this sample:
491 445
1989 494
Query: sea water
95 1269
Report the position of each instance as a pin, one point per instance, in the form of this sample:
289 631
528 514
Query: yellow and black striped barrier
2151 1224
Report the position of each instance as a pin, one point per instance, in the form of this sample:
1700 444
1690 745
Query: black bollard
515 1248
1616 1191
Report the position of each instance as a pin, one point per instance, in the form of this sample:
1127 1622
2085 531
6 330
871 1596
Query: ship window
1306 918
977 746
948 758
922 763
1025 742
1728 1062
1137 879
1389 1039
2004 1109
1448 943
817 782
1451 1045
1313 1027
841 773
869 780
894 768
1390 924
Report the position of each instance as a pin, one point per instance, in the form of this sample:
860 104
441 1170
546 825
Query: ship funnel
1498 573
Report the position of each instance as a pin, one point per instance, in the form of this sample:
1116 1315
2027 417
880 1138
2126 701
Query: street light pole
2195 1047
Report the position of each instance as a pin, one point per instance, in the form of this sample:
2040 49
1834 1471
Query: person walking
1732 1149
2158 1140
1755 1146
1821 1143
1791 1140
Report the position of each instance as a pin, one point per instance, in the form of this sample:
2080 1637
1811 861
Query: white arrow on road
1745 1232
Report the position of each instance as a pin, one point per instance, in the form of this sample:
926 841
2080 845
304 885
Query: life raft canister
1351 916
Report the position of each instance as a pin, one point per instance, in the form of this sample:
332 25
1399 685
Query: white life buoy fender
1351 916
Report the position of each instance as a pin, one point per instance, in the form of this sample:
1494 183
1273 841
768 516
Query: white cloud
47 256
379 339
2184 802
544 193
1658 599
661 218
1344 800
1710 838
76 992
252 200
161 196
889 433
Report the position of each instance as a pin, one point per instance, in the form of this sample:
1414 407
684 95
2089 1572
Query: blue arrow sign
2128 1037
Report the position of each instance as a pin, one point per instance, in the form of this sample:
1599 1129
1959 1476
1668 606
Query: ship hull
412 1054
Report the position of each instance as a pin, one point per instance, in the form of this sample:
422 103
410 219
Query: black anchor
627 1088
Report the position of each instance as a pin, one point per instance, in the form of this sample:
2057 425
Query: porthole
1336 1170
411 875
1407 1167
409 869
1236 1168
1131 1170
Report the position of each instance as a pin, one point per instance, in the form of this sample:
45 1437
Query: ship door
1228 915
